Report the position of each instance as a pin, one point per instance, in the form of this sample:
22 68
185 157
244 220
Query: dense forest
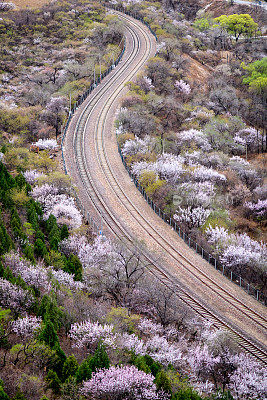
80 316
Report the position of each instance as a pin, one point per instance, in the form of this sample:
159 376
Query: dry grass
30 3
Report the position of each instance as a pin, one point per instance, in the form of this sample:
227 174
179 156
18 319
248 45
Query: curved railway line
91 166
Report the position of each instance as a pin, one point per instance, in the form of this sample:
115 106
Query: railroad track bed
106 190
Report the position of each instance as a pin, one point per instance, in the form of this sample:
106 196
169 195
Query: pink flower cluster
32 176
183 87
46 144
87 333
27 326
236 249
39 277
259 209
185 138
14 297
137 145
207 174
89 254
193 217
124 382
60 205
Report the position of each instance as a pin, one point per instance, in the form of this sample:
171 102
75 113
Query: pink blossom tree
14 297
123 382
27 326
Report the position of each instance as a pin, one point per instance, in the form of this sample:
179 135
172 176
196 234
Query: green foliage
48 335
22 157
15 223
53 382
50 223
100 359
147 178
28 229
147 364
162 382
32 215
238 24
55 258
64 232
39 235
74 266
5 317
59 361
122 319
40 249
154 366
202 24
20 181
6 243
12 122
257 75
19 197
70 390
219 217
84 372
141 364
54 237
70 367
3 395
49 311
29 253
186 394
19 396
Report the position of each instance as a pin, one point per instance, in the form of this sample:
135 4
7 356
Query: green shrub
74 266
84 372
53 382
40 248
70 367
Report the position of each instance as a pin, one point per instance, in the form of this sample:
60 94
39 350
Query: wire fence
95 227
215 262
83 97
249 288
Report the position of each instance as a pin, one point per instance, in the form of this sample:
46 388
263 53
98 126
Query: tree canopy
238 24
257 75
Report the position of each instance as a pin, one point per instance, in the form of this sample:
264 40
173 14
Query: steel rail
205 311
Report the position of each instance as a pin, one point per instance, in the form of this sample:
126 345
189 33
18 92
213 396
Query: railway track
97 110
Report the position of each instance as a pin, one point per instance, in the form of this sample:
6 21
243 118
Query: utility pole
99 69
94 75
70 105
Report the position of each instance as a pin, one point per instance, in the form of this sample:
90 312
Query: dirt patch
30 3
199 73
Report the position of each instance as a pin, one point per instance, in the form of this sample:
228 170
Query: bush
40 248
53 382
100 359
74 266
70 367
49 335
84 372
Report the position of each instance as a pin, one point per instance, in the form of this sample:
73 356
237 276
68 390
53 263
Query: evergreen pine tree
100 359
70 367
163 382
64 233
53 382
39 248
84 372
49 335
74 266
